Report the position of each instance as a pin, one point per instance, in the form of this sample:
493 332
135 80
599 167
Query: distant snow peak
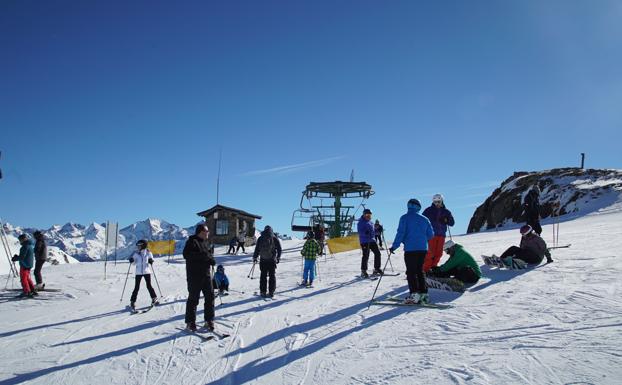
564 192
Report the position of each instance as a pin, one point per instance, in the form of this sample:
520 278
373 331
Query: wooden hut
225 222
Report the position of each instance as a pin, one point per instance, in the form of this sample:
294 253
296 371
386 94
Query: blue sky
117 110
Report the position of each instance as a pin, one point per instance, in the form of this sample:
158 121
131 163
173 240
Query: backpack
265 245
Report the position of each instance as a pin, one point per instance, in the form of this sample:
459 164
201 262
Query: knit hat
367 211
414 204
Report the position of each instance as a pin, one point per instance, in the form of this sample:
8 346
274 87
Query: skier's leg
263 277
194 280
152 292
377 256
419 274
272 278
409 260
136 287
38 266
511 251
208 295
365 258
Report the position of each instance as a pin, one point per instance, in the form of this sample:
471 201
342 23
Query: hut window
222 227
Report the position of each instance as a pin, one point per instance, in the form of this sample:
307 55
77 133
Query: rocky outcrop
564 192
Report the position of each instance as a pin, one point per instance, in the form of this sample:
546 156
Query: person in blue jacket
26 260
367 239
221 282
414 231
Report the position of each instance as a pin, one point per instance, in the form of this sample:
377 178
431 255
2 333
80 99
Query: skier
368 242
220 281
268 251
414 231
25 258
143 259
199 256
460 265
320 237
41 254
531 207
309 251
440 218
232 243
532 249
378 230
241 241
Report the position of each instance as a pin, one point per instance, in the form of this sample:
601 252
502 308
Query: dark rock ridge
564 192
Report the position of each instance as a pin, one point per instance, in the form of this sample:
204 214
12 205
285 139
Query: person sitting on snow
460 265
532 248
221 282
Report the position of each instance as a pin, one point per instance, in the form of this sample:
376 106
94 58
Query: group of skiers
422 236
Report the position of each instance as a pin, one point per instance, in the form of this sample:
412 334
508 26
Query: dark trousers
465 274
220 287
240 244
414 271
199 280
524 254
379 240
535 224
267 277
152 292
366 248
231 249
38 265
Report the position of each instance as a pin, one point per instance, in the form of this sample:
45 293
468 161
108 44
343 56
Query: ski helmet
437 198
449 244
22 237
142 244
525 230
367 211
220 268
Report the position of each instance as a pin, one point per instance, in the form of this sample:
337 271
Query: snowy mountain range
565 193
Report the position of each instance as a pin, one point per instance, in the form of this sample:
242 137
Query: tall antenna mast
218 179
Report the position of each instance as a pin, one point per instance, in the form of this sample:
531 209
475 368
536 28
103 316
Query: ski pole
250 274
156 279
126 275
317 268
213 279
388 253
379 279
448 229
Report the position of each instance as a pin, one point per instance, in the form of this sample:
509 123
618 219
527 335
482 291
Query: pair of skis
395 301
206 335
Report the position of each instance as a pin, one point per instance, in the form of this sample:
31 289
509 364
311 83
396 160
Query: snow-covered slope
556 324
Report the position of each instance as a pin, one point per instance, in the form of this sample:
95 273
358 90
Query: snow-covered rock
565 193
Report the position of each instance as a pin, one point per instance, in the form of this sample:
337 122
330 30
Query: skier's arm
449 218
399 236
277 244
429 230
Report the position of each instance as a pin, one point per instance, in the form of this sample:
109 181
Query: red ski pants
435 252
27 284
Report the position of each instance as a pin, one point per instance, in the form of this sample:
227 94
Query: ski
391 274
203 336
267 299
435 305
219 334
447 284
560 247
371 277
140 311
40 290
401 303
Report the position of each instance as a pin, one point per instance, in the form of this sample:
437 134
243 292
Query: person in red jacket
440 218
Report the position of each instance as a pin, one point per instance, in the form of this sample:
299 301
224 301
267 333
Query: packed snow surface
555 324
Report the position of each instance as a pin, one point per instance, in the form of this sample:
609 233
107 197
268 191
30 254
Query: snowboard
495 261
447 284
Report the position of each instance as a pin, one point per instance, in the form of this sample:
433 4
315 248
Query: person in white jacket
143 259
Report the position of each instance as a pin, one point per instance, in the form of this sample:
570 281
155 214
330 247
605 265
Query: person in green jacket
309 251
26 260
460 265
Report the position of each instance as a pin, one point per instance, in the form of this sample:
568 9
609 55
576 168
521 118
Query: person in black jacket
41 254
531 206
268 250
199 256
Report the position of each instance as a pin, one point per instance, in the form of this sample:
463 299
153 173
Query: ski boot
412 299
191 326
155 301
364 274
209 325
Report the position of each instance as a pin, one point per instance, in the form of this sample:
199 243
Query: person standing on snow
440 218
378 230
232 243
367 240
531 207
268 251
241 241
460 265
309 251
26 259
199 256
41 254
143 259
414 231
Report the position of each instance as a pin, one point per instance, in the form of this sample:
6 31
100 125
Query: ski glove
150 261
254 260
15 258
131 260
392 250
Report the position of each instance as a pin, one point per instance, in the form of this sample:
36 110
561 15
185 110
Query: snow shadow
498 275
257 368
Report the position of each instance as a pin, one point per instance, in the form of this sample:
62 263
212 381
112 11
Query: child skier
143 259
310 251
221 282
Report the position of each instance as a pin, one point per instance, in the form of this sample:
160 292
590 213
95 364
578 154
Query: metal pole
317 268
379 279
7 249
250 274
116 243
386 247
